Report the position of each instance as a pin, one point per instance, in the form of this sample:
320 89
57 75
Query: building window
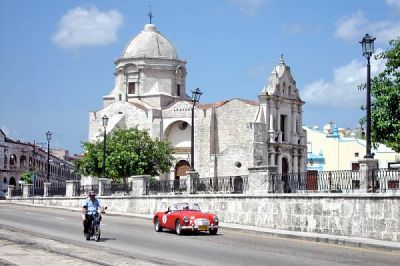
283 127
178 89
183 125
131 88
356 154
13 159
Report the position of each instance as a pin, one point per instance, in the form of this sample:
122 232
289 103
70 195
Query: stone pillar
261 180
103 184
70 188
46 189
10 188
367 181
192 182
295 162
139 185
26 190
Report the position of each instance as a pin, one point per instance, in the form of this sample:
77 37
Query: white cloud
342 91
248 7
87 27
355 26
395 4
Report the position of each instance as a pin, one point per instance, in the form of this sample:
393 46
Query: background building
338 149
17 158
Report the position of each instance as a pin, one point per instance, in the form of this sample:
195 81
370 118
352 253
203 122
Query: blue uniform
91 206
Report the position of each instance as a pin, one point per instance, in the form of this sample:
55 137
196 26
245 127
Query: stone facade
229 136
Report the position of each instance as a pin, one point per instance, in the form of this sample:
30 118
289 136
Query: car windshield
186 207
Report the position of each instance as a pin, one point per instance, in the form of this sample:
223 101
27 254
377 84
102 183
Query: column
295 161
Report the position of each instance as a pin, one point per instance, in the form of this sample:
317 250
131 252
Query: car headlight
186 219
216 219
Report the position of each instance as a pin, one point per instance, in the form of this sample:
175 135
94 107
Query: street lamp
105 122
195 98
48 137
368 49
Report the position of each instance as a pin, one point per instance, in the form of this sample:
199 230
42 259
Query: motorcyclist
90 207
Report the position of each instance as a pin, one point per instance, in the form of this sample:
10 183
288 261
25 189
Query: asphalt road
136 238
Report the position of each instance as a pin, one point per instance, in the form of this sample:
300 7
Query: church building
230 136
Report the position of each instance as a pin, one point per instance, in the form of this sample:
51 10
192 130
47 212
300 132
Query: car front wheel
213 231
178 227
157 225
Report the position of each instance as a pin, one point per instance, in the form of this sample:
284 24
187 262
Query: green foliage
26 177
128 152
153 183
385 101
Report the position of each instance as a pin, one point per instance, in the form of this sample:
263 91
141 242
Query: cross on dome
150 14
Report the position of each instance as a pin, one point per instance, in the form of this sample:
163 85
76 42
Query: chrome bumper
196 227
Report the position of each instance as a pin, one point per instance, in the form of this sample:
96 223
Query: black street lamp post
195 98
48 137
368 49
105 122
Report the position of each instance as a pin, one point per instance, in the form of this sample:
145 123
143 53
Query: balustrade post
26 190
103 183
262 180
46 187
70 188
192 182
10 188
367 182
139 185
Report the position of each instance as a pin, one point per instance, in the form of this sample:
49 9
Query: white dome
150 43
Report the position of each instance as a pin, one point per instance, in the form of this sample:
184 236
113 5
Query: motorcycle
94 229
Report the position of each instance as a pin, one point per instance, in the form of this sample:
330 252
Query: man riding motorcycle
89 208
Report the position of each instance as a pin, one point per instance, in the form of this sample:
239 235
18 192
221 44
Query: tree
27 177
129 152
385 101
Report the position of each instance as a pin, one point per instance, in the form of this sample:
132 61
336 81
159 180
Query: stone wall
357 215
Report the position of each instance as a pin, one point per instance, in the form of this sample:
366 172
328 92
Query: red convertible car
185 217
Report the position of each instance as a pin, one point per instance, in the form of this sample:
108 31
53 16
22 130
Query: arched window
13 159
22 161
12 181
5 159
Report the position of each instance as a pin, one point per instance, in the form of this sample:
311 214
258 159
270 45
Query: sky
56 57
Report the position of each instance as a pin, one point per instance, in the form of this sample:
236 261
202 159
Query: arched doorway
285 176
13 182
181 169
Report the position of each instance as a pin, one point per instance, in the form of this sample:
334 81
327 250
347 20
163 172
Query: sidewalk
317 237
